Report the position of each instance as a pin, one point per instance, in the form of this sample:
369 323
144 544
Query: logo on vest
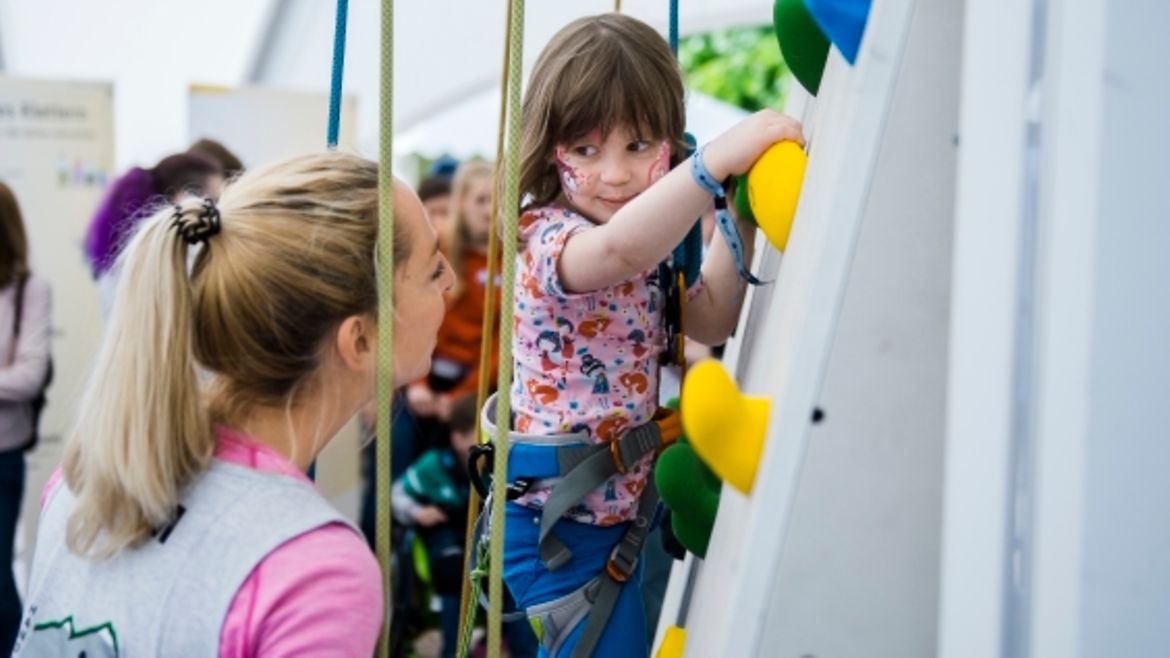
62 639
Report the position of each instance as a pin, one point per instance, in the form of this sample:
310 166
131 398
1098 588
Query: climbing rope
469 597
338 70
673 30
385 272
511 212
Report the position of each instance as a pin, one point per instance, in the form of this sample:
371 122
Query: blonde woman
183 524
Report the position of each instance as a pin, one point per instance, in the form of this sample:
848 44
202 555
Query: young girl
603 127
184 524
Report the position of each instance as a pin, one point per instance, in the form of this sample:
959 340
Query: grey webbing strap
570 457
625 557
589 474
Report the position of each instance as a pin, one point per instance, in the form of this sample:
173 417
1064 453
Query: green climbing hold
803 44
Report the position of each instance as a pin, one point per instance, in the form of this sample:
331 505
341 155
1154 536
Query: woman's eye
438 273
638 146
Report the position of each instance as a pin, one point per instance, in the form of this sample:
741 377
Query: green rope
511 212
475 578
385 261
487 344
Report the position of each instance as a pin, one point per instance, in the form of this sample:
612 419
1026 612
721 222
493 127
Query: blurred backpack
37 404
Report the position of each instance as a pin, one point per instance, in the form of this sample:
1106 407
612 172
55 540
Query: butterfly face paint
661 163
599 176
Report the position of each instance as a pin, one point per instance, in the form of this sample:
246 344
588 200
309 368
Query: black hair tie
201 228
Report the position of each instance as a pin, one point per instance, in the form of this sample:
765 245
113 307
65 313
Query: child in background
455 367
435 194
602 129
432 496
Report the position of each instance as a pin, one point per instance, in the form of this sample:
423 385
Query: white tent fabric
153 51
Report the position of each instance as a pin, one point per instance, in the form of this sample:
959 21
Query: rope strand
385 271
338 71
511 212
469 597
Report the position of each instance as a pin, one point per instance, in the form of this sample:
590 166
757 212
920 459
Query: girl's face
476 208
419 286
600 175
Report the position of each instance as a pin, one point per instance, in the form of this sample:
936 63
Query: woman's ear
356 342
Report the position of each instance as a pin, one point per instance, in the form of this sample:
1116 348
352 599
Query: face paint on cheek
661 164
573 181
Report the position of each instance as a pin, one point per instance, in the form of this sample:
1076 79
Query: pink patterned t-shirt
584 361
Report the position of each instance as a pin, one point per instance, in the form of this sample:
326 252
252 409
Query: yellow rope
468 601
511 211
385 271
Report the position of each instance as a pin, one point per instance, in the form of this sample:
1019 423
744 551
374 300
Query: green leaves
740 66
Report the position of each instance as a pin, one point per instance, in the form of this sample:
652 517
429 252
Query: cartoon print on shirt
637 337
635 381
565 328
549 342
591 367
544 393
591 328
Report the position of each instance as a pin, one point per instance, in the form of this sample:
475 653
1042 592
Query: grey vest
169 596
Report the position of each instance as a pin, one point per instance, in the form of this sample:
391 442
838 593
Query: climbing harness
575 466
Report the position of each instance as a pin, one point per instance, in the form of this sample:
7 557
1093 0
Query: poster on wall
57 155
262 125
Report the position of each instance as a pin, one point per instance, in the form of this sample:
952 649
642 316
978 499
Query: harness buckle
615 453
519 487
619 567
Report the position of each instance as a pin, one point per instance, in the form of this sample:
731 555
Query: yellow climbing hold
774 187
672 643
725 426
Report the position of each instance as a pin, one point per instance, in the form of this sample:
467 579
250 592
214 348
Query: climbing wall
836 550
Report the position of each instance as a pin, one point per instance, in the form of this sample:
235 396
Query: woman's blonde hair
294 257
598 72
458 236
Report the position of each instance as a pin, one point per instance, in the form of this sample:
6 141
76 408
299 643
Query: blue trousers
531 583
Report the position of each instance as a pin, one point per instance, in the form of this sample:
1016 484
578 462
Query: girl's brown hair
13 241
294 257
598 72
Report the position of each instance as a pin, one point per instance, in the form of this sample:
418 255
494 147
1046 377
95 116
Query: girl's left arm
713 313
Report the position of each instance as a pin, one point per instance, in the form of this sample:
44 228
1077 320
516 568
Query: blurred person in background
24 367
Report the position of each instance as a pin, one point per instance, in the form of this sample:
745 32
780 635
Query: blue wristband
723 218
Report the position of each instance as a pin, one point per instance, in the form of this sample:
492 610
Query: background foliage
740 66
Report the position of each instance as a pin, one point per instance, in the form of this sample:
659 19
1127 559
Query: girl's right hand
737 149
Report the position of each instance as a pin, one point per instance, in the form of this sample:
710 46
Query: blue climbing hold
843 21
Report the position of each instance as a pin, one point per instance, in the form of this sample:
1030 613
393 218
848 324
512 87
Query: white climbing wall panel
836 552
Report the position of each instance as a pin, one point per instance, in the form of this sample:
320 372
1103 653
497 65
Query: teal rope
338 70
674 27
511 211
385 271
